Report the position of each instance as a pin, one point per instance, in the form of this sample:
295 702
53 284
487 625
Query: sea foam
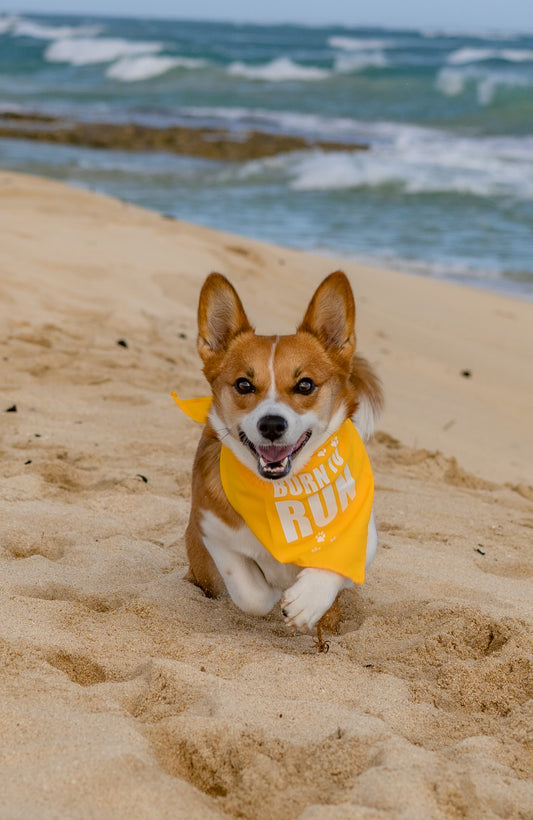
421 160
358 53
282 69
473 34
357 44
454 81
146 66
7 23
90 50
291 122
479 55
20 27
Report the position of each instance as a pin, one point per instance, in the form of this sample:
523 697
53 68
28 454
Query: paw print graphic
320 536
334 442
321 453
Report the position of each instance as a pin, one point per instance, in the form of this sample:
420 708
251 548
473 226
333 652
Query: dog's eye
305 387
244 386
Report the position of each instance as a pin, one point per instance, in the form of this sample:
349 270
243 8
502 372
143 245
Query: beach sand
125 692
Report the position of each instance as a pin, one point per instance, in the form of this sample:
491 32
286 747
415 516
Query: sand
125 692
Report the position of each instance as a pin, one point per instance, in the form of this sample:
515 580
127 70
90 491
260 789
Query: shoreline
225 148
426 271
127 692
411 267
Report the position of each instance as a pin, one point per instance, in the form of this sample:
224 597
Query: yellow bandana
316 518
196 409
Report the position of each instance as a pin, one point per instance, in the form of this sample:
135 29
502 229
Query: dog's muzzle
274 460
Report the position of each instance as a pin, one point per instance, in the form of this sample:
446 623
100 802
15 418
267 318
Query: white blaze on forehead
272 388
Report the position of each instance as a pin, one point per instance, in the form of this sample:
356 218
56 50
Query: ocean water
446 189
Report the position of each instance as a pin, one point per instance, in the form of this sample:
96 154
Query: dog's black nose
272 427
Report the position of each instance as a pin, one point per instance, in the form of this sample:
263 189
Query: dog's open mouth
274 460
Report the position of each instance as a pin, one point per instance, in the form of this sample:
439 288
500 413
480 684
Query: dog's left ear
331 315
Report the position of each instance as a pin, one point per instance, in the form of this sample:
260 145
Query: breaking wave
480 55
472 34
454 81
91 50
282 69
358 53
20 27
136 69
415 160
357 44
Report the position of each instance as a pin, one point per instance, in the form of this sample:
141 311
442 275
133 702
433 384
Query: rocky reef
208 143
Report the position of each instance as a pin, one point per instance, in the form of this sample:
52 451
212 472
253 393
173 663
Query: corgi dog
270 463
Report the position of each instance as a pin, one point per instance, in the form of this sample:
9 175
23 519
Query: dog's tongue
272 454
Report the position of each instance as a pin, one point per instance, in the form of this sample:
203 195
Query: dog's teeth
274 467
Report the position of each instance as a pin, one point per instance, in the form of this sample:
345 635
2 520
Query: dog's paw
311 595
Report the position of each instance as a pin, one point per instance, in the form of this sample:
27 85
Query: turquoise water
445 190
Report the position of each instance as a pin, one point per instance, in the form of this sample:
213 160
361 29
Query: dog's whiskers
222 432
247 443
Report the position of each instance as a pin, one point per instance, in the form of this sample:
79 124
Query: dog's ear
331 315
221 316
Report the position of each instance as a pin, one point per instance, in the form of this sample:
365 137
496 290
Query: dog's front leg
311 595
245 582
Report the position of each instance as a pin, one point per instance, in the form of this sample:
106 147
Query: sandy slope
126 693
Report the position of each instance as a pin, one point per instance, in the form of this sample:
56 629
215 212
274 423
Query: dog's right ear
221 316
